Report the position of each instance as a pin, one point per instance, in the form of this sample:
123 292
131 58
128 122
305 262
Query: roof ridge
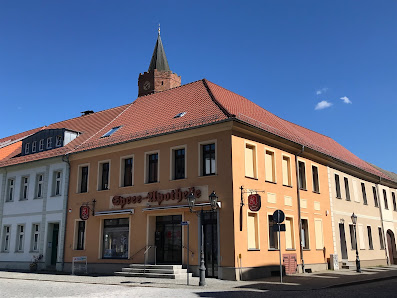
212 96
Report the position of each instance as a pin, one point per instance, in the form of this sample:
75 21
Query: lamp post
354 220
213 198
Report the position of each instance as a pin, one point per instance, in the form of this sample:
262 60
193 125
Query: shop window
385 199
353 239
6 238
394 201
49 142
316 185
347 188
250 161
364 193
10 190
252 229
370 243
273 240
127 168
270 168
152 161
289 233
305 233
34 145
80 235
286 165
103 172
376 202
83 179
41 145
302 175
208 162
39 185
178 164
381 242
57 183
20 237
318 229
115 238
337 187
35 237
24 188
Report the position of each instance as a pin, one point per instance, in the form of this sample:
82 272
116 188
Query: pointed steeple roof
159 60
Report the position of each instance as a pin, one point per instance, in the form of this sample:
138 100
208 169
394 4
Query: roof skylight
180 115
110 132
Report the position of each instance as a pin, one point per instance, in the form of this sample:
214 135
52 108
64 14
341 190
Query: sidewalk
297 282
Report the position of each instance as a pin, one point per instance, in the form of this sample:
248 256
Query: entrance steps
348 265
154 271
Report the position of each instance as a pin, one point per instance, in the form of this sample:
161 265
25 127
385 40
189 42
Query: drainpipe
299 206
381 220
65 158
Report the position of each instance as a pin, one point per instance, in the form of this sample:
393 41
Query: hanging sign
254 202
84 212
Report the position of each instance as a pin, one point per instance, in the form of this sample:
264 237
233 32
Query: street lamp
213 198
354 221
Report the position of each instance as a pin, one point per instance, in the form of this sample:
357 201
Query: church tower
159 77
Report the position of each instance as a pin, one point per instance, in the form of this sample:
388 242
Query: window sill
125 186
205 176
304 189
317 192
21 200
290 186
55 196
253 249
154 182
272 182
290 249
273 249
306 249
9 201
40 198
179 179
253 178
340 198
103 189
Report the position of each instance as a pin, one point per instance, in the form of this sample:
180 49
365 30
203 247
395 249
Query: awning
157 208
113 212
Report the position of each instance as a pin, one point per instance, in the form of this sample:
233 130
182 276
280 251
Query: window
58 142
252 230
10 190
305 233
302 175
361 236
110 132
318 229
178 167
41 145
355 191
27 148
337 186
370 243
83 179
80 234
347 189
35 237
364 194
24 188
316 186
385 199
208 159
57 183
289 233
375 196
126 165
115 238
270 171
49 142
39 186
6 238
286 163
20 237
394 201
153 167
250 161
273 240
353 241
34 145
382 244
104 176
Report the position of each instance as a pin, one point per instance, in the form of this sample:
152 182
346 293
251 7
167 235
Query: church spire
159 60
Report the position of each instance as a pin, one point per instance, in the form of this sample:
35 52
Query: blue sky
330 66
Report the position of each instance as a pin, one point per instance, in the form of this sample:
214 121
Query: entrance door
168 239
391 246
54 246
343 247
211 244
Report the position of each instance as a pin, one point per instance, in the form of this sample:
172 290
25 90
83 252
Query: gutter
299 206
65 158
381 221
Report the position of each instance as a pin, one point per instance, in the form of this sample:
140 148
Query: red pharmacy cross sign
84 212
254 202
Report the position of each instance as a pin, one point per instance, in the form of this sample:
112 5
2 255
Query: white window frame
76 234
55 180
308 233
24 184
200 159
5 247
38 183
41 145
274 169
172 161
289 174
318 177
49 143
99 174
34 146
256 215
292 233
146 166
58 141
255 159
122 170
27 148
10 189
20 238
304 162
79 176
34 233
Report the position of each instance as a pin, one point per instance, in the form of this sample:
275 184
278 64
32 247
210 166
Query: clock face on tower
146 85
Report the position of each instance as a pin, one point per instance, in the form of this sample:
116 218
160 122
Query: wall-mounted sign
176 195
84 212
254 202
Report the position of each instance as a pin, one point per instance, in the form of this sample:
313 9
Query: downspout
381 220
65 158
299 206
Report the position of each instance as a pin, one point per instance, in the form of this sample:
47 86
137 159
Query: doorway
343 247
391 246
211 244
168 239
54 244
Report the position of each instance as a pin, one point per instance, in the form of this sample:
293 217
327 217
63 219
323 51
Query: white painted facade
47 209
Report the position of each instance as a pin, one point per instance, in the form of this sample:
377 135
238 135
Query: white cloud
345 99
323 105
321 91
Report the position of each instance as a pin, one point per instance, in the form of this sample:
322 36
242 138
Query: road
32 288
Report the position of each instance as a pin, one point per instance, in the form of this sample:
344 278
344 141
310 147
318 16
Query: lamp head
213 200
354 218
191 200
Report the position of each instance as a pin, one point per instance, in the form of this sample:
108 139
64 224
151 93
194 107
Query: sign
84 212
184 223
79 259
254 202
79 264
276 226
278 216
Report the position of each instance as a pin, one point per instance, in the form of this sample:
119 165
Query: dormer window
110 132
180 115
34 144
41 145
27 148
58 141
49 142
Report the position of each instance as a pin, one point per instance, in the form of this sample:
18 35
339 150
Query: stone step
151 266
154 275
153 270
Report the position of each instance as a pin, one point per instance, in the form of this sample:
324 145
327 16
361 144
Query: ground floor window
115 238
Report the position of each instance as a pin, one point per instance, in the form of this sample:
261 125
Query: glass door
211 244
168 239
